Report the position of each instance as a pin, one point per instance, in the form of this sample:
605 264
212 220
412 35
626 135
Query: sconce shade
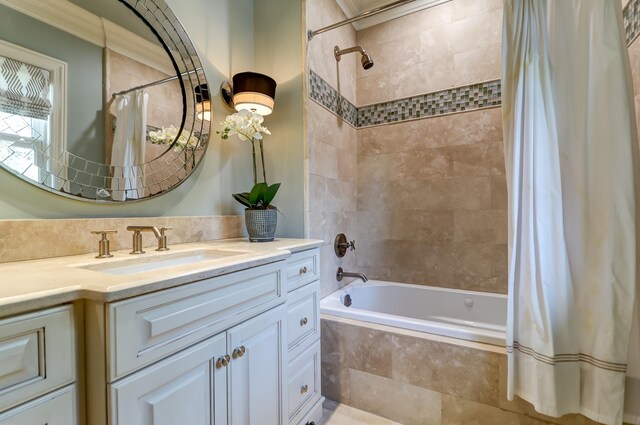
255 92
203 102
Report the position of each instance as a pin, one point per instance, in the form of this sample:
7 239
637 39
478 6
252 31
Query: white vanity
234 340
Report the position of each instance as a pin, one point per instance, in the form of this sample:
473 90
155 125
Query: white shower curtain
569 134
129 145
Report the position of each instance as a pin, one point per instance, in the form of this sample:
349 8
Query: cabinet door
186 388
256 370
57 408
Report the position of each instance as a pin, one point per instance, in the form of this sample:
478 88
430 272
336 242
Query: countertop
36 284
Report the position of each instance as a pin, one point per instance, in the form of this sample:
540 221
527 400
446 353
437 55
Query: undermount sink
162 261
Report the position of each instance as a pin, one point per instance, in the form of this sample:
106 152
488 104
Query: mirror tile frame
75 177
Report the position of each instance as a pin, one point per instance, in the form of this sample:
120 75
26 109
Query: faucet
340 274
137 237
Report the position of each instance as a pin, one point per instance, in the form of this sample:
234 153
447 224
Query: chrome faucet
137 237
340 274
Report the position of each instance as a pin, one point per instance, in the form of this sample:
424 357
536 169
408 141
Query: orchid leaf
270 193
257 193
243 198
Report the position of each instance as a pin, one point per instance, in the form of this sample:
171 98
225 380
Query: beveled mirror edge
179 47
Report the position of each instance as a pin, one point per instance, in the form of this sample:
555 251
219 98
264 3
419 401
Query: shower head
366 59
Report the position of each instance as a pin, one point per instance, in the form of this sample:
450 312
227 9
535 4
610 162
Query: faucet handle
162 240
103 244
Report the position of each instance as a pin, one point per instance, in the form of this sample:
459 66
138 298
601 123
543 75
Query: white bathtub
474 316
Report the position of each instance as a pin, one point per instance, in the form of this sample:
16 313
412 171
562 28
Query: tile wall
432 192
416 381
332 142
35 239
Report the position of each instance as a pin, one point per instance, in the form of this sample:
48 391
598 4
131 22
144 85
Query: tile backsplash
35 239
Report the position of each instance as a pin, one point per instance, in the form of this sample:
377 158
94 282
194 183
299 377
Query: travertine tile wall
35 239
432 192
331 143
417 381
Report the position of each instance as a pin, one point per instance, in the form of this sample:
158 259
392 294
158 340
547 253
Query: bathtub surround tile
499 196
458 99
355 347
446 368
631 18
480 226
472 259
395 400
32 239
493 284
335 382
480 64
421 226
321 92
462 9
435 103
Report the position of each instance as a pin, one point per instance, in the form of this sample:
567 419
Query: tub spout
340 274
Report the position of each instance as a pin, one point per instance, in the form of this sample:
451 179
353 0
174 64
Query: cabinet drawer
37 355
314 417
303 318
57 408
147 328
304 381
302 268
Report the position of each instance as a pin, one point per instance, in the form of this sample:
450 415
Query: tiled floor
341 414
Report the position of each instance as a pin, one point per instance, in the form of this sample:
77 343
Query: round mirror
100 100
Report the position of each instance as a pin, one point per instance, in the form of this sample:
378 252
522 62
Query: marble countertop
36 284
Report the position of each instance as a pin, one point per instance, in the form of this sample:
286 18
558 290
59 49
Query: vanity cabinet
237 349
38 368
304 399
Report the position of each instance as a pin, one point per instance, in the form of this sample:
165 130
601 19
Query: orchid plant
248 127
166 136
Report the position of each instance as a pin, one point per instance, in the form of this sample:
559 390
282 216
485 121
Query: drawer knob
238 352
311 423
304 270
304 389
222 361
304 321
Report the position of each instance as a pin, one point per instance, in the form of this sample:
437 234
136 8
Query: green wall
223 33
85 125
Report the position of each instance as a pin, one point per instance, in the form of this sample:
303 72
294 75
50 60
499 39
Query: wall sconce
203 102
250 90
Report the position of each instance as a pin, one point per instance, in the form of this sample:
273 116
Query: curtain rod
155 83
367 14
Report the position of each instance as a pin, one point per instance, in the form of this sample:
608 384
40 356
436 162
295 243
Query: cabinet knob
304 270
311 423
304 389
304 321
222 361
238 352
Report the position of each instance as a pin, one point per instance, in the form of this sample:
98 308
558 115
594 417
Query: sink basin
145 264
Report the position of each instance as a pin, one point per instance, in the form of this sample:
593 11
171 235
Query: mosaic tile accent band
327 96
631 18
458 99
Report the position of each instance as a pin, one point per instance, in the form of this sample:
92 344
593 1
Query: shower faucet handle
341 245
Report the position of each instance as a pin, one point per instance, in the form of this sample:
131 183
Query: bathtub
473 316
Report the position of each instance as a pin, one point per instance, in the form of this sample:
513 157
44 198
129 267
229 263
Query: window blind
24 89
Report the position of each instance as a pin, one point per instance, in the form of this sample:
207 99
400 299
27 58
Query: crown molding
75 20
350 10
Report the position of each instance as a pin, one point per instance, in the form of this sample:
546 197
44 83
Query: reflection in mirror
97 97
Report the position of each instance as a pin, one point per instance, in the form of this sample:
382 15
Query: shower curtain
570 150
129 145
